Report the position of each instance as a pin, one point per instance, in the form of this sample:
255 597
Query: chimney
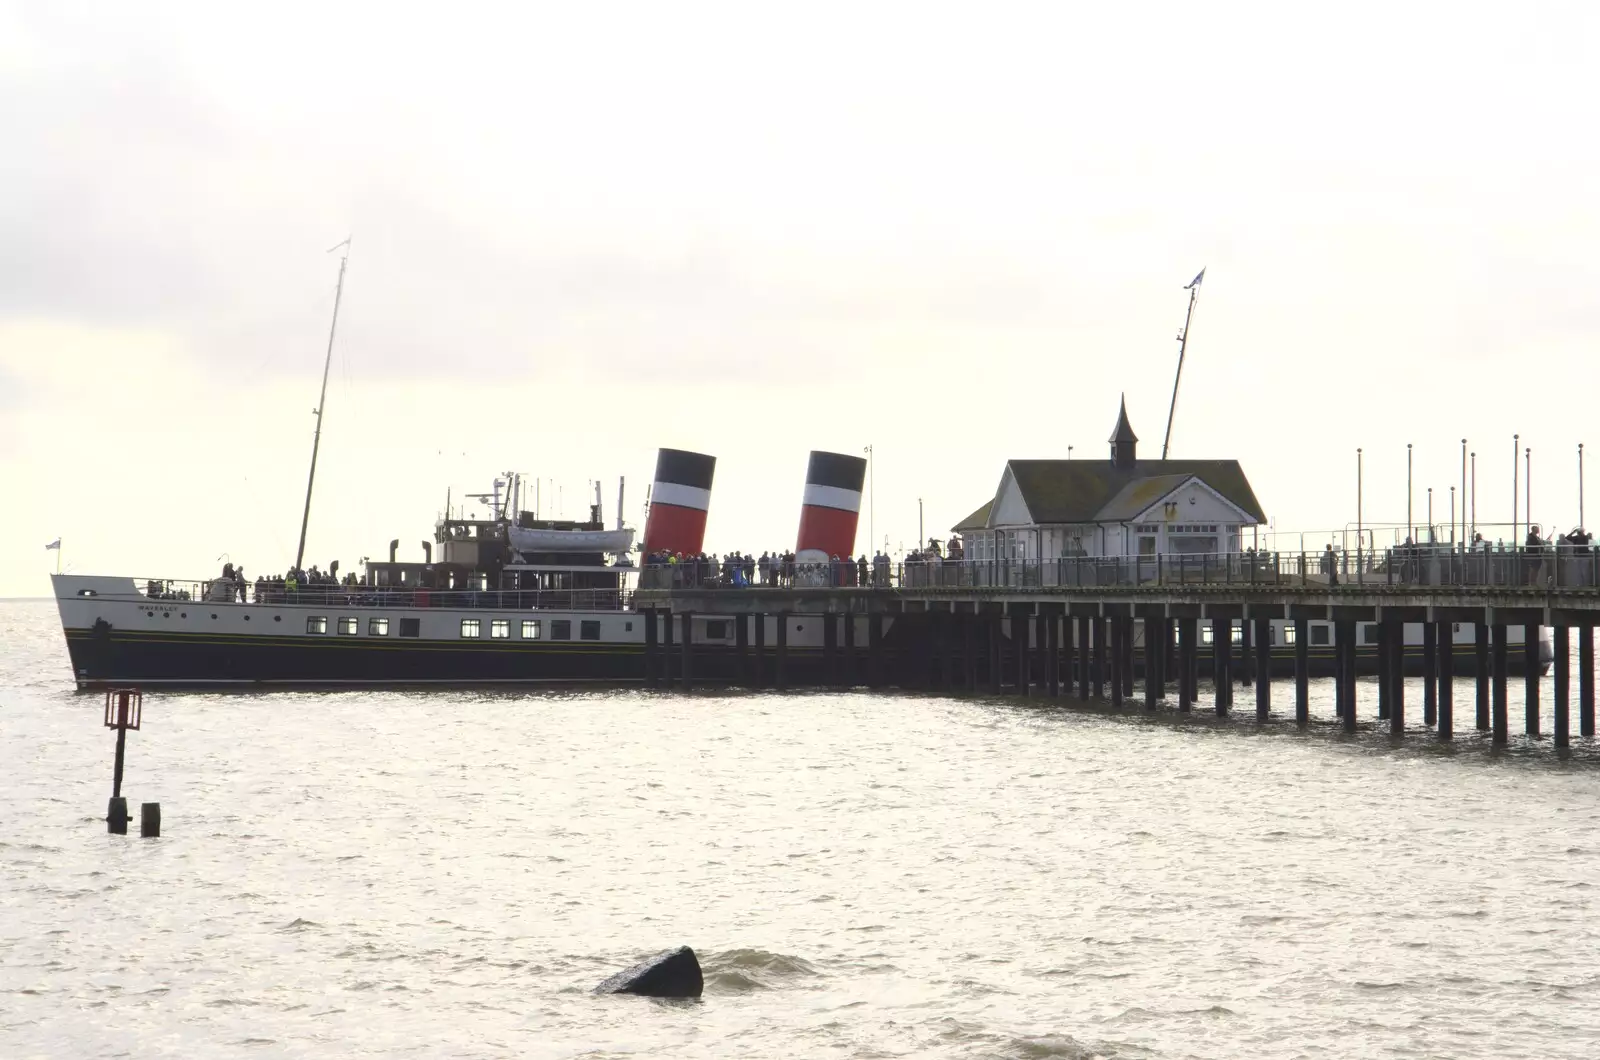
1124 443
831 507
679 500
394 548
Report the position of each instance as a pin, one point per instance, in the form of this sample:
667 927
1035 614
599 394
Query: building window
589 629
349 627
411 627
1319 634
316 624
530 629
499 629
378 627
717 629
560 629
471 627
1147 528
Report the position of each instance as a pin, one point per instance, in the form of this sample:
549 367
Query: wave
743 970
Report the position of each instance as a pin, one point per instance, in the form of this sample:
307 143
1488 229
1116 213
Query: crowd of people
772 568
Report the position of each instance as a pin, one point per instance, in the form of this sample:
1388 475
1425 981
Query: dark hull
152 660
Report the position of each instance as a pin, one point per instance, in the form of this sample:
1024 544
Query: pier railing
1544 567
367 596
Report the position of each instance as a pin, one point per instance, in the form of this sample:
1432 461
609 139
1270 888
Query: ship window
349 627
471 627
1238 632
499 629
1369 633
560 629
316 624
1206 636
1319 634
717 630
589 629
627 627
411 627
378 627
1288 634
87 592
530 629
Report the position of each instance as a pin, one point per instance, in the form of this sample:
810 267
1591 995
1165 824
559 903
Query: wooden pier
1057 640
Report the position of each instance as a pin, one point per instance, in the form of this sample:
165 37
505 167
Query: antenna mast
322 399
1183 346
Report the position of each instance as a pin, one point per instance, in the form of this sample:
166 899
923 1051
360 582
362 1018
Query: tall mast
322 399
1183 346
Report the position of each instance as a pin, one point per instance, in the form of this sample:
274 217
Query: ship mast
1183 346
322 399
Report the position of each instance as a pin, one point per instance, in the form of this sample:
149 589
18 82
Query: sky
955 234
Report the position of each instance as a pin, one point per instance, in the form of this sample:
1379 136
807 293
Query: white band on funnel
681 495
833 497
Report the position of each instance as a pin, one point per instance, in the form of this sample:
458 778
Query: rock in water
675 973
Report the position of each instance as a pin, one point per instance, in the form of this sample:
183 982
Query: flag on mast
56 545
1196 281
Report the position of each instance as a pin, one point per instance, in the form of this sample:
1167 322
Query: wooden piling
760 620
781 662
668 656
688 650
1500 722
1186 627
1445 668
852 664
1344 633
1127 657
117 815
1385 659
1430 673
652 649
1221 641
1482 673
1263 669
1019 647
997 647
1530 678
1152 663
1560 664
1052 654
1302 672
830 649
1585 680
1397 678
875 650
1247 641
1100 655
741 630
969 654
1085 658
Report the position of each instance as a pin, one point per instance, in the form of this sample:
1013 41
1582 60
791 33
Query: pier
1104 627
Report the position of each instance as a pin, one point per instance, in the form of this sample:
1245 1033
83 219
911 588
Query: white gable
1195 502
1009 507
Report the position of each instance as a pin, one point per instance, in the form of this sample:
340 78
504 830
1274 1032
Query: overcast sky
954 234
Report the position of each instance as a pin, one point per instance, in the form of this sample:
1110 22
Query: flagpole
1183 346
322 399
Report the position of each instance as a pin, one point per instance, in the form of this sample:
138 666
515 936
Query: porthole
184 615
247 618
149 614
166 614
277 618
213 616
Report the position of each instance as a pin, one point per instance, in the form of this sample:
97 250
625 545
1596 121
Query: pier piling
781 662
1263 669
1500 722
651 651
852 664
688 650
1385 658
1397 678
761 650
1481 674
741 625
1344 634
1586 680
1052 654
1445 643
1430 662
1561 667
1302 672
670 620
1530 679
875 650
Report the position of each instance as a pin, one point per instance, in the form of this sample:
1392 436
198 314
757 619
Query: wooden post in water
1530 678
1344 633
761 650
875 650
667 661
1221 638
782 661
1085 657
1101 653
1019 645
1152 663
1302 672
651 650
1501 720
1397 678
852 664
969 654
1585 680
1118 632
1247 643
1185 651
1446 670
996 654
1482 673
1430 663
741 629
1560 662
1052 654
1263 669
1385 659
688 650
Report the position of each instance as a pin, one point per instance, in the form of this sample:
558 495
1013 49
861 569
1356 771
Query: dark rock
675 973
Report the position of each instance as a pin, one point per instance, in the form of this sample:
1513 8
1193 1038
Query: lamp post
872 498
1430 516
1358 515
1463 495
1516 493
1527 484
1411 530
1452 518
1580 486
1474 494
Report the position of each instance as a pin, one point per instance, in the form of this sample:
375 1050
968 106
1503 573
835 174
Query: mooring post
875 650
1560 663
149 820
1530 677
1430 663
782 661
1263 669
649 616
761 650
1302 672
1586 680
1446 673
1501 722
124 710
852 664
667 660
1482 674
1397 678
1385 659
688 650
741 626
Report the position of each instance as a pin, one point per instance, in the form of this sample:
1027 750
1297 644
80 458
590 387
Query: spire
1124 443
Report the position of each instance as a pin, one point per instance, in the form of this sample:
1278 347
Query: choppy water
395 875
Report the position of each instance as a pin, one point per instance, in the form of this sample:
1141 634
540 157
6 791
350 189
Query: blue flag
1196 281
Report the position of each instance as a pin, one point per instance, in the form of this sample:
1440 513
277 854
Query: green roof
1092 491
976 521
